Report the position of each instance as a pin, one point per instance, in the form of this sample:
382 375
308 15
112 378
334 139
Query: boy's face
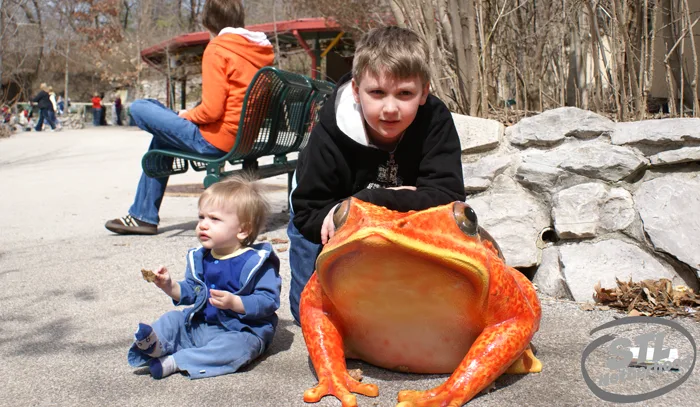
389 105
219 229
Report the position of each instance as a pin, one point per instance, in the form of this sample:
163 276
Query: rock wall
574 199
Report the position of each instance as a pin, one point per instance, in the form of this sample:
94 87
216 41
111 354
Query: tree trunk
472 54
694 83
41 36
193 15
673 33
462 68
2 47
595 52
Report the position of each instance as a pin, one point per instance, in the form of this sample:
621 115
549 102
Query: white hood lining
252 36
348 115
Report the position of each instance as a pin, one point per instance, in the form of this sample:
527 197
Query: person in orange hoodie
230 61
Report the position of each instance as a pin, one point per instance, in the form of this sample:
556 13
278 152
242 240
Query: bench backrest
322 90
274 99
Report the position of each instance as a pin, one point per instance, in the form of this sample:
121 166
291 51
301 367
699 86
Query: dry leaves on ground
355 374
653 298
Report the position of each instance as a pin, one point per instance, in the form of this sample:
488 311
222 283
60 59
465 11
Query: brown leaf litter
652 298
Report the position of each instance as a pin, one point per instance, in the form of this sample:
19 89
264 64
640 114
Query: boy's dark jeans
302 260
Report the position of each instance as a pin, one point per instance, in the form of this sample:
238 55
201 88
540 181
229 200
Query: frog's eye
340 214
466 218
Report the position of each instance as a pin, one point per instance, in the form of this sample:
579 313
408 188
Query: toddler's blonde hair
242 195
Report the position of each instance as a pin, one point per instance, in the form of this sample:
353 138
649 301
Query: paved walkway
72 295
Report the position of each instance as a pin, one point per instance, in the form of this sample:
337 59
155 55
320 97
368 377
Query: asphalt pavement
72 296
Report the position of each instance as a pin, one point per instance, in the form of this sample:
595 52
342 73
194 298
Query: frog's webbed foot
341 387
497 347
526 363
429 398
325 345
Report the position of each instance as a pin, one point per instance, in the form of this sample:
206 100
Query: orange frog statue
420 292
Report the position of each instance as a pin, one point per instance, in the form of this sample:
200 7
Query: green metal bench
279 110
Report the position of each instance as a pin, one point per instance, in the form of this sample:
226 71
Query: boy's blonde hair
242 195
398 52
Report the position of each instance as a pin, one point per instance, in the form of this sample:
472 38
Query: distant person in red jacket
96 109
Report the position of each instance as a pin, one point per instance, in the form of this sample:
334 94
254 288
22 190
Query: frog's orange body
413 292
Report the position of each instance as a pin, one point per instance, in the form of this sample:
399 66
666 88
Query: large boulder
670 210
616 200
553 126
514 218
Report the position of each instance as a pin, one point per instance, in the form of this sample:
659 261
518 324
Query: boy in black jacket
381 138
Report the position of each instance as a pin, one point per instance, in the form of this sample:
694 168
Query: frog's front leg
325 345
494 350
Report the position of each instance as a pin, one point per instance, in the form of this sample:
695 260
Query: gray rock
670 210
538 176
585 264
576 211
667 133
678 156
514 218
593 159
479 175
553 126
477 134
617 213
549 278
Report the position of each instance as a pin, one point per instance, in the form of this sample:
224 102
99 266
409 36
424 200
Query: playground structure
180 57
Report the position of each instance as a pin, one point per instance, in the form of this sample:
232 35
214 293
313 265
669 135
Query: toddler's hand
328 227
163 279
221 299
181 113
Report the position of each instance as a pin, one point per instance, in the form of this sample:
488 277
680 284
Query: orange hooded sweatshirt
229 63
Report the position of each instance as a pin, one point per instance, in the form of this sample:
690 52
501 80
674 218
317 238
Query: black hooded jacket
334 166
42 100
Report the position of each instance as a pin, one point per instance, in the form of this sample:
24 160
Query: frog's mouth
403 303
394 251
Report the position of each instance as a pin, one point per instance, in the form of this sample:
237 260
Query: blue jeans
169 131
302 261
96 114
204 350
44 115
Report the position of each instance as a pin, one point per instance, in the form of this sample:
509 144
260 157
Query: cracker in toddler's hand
148 275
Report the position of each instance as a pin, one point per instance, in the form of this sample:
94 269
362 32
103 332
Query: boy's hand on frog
328 227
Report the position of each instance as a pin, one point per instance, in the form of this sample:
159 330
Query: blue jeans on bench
169 131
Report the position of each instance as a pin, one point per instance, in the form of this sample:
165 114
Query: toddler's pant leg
217 351
171 332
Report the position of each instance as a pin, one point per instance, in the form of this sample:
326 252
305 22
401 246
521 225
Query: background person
230 61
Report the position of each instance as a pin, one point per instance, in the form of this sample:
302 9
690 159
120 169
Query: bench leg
290 177
210 180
